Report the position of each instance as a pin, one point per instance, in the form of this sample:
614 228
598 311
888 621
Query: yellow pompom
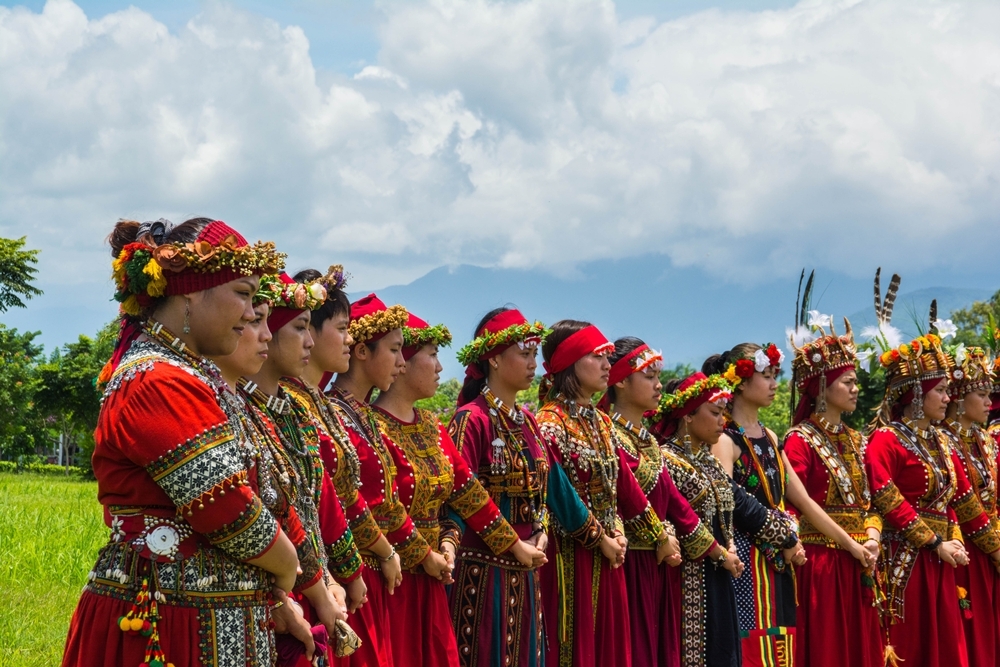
135 624
157 283
131 306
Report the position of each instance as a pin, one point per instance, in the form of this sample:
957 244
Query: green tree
778 415
443 402
17 271
972 322
21 427
678 372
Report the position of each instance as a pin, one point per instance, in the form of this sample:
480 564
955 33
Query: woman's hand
357 593
669 550
288 619
995 559
733 565
953 552
795 555
437 566
873 547
528 555
613 550
862 555
392 570
539 540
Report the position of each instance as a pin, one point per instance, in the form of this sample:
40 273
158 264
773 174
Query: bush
36 468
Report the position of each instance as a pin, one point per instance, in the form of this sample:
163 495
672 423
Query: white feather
886 335
799 336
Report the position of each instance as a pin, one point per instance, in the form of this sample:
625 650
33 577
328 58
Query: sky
747 139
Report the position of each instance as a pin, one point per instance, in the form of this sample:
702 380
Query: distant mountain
683 311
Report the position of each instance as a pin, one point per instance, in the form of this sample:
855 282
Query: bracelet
722 558
392 552
933 545
277 604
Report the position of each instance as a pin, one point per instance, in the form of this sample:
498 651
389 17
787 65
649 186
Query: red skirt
931 634
654 606
426 636
836 622
371 623
982 619
600 632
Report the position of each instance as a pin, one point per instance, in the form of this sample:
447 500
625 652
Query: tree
17 271
443 402
21 427
972 322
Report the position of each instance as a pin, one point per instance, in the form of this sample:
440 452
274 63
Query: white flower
819 320
961 354
317 292
887 336
761 362
945 328
865 358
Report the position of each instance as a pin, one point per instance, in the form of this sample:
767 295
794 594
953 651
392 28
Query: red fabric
836 623
807 401
622 368
585 341
188 280
373 624
426 636
654 608
332 520
413 322
280 316
368 305
982 624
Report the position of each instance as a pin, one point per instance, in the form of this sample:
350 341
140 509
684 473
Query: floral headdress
692 392
335 278
418 333
505 329
768 356
909 365
371 319
280 291
972 372
146 270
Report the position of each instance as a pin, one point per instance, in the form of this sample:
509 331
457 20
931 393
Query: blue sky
737 140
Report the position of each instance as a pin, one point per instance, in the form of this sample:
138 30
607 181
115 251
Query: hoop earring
187 316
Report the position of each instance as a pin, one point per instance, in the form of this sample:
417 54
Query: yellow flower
904 350
731 376
962 593
886 358
157 282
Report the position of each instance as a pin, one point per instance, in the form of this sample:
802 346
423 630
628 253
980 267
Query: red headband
588 340
279 317
413 322
622 368
188 280
666 426
499 322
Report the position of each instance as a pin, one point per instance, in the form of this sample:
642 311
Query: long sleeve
884 460
192 455
344 560
766 527
695 537
969 512
633 506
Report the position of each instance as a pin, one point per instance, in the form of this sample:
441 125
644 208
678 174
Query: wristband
722 558
932 546
392 552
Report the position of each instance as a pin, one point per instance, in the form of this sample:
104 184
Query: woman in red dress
434 479
583 584
837 622
968 412
187 575
920 487
654 590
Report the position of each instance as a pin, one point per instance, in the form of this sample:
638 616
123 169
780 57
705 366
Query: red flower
745 368
773 354
967 613
895 355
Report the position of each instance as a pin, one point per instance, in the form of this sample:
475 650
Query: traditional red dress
581 590
837 622
654 590
496 601
378 486
433 479
173 479
920 487
978 452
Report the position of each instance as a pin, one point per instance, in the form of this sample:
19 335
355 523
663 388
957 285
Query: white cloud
514 134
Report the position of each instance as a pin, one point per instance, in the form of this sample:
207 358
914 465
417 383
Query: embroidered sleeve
969 512
344 560
191 453
695 538
881 462
363 527
473 504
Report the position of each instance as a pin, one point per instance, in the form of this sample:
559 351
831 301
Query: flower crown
429 335
677 400
335 278
296 296
826 353
368 326
972 372
522 335
139 268
768 356
648 359
920 359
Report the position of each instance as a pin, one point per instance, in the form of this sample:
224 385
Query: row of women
275 495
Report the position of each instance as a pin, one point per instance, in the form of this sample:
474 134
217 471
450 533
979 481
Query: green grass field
50 531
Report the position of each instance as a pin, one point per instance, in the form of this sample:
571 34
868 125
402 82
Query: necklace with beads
646 451
936 460
776 501
352 464
498 411
509 423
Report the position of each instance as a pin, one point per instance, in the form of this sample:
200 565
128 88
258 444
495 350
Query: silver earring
187 317
821 399
918 401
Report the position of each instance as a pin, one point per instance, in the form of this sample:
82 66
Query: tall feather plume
878 294
806 298
890 298
798 299
932 318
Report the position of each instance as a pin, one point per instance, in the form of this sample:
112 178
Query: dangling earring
821 398
688 444
961 406
187 316
918 401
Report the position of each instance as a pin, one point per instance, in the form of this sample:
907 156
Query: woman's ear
360 351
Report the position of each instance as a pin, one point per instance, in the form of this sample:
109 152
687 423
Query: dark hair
623 347
718 363
336 302
564 382
672 384
472 387
127 231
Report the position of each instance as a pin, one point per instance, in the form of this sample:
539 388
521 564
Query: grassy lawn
50 530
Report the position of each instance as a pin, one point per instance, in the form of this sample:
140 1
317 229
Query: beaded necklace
937 460
720 499
646 450
509 443
977 450
765 481
841 450
351 462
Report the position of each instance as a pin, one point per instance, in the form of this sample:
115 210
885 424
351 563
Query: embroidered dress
838 623
654 590
496 602
378 486
765 594
710 635
981 606
340 458
172 476
581 589
919 486
433 478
